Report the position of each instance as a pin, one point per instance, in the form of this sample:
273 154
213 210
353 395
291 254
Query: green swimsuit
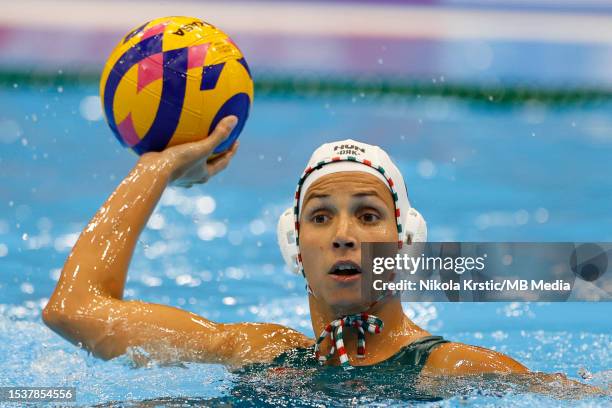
414 355
295 377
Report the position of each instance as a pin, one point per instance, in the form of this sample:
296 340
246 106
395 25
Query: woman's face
341 211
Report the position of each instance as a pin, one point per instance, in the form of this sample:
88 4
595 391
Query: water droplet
27 288
229 301
426 168
257 227
90 108
541 215
206 205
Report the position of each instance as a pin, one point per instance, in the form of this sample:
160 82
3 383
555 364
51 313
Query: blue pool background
478 171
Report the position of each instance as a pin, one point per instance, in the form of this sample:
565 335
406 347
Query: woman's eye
319 218
369 218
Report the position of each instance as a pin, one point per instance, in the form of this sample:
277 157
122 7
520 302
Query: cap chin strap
362 322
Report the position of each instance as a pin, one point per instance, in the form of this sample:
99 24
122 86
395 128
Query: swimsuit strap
416 353
361 321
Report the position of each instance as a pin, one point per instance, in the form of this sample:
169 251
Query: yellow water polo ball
170 81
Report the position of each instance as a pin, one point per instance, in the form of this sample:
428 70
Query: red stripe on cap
367 162
376 329
341 350
390 181
297 226
360 350
397 212
336 158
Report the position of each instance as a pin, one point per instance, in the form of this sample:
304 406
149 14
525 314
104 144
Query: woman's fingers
220 162
188 152
221 132
190 159
202 172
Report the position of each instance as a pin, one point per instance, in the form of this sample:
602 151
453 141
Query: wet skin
341 210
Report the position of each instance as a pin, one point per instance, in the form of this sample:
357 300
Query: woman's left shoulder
464 359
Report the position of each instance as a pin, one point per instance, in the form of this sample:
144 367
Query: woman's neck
398 331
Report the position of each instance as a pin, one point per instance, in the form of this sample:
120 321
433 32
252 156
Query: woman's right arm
87 306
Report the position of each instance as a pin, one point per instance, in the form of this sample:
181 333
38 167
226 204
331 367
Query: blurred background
497 112
433 45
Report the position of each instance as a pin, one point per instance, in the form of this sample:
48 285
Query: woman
342 200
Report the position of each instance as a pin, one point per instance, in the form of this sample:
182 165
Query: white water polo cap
343 156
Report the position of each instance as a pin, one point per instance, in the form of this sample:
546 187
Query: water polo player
350 193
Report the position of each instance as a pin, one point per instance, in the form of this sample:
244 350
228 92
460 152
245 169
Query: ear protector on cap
415 227
285 233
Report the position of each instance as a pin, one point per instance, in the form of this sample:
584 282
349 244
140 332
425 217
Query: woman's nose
340 242
344 237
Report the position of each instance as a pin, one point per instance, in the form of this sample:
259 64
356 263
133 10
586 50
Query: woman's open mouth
345 271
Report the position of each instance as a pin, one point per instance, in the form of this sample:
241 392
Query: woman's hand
191 163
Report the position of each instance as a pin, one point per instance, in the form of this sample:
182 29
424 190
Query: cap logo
348 149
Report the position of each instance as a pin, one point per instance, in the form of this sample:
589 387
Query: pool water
478 171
